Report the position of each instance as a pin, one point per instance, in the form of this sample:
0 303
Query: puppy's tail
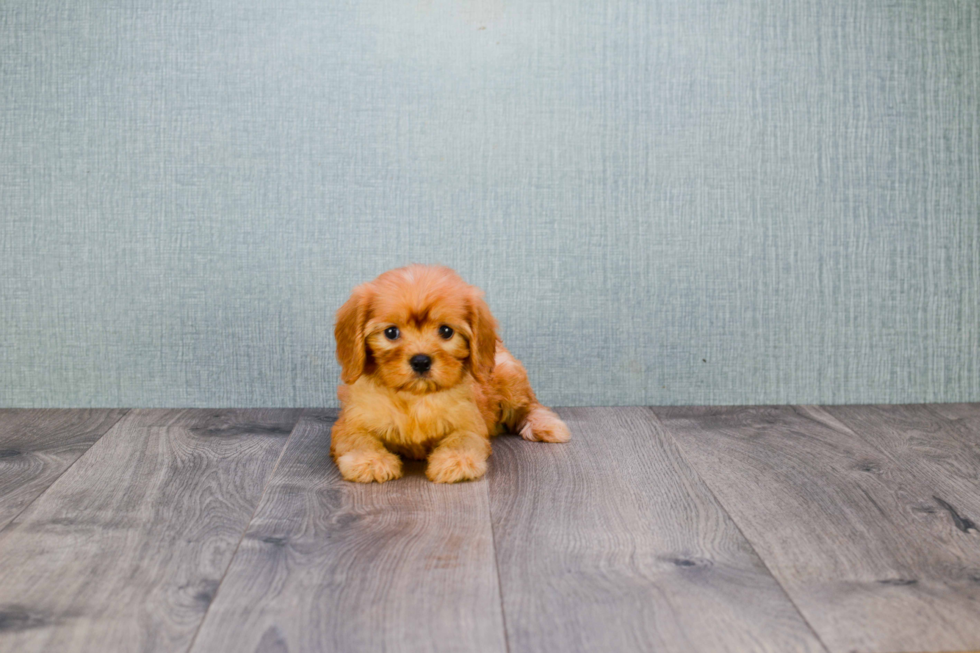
542 425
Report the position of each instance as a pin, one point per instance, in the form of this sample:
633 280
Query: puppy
425 376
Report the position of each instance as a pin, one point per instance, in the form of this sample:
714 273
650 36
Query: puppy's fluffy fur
473 390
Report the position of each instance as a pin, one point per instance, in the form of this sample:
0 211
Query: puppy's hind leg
542 425
520 408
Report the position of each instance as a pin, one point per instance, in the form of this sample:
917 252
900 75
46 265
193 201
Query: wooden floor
778 529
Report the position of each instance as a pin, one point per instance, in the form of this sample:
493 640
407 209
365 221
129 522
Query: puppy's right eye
391 333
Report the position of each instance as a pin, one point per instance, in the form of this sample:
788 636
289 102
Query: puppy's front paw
369 466
454 465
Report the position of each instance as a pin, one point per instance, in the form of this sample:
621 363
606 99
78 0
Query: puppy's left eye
445 332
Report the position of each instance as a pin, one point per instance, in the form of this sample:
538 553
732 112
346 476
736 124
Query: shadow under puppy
425 376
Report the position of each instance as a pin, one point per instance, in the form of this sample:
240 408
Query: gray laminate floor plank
965 416
328 565
940 446
37 445
125 550
846 521
611 542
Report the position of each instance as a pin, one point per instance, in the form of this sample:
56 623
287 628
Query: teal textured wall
667 202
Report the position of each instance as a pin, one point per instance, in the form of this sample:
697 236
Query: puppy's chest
419 423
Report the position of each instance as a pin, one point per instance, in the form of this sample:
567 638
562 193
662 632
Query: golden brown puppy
426 376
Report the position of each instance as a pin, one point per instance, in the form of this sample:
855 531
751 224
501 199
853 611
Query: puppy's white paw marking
557 432
452 466
542 425
369 466
528 433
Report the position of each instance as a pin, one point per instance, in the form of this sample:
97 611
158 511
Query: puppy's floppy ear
483 342
349 332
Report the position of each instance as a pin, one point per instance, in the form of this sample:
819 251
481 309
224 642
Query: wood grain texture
328 565
126 549
611 542
847 524
965 415
36 446
959 455
939 445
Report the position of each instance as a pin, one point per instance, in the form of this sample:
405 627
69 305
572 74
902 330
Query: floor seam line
738 526
8 525
241 539
496 568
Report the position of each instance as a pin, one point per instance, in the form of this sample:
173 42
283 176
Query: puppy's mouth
421 382
417 380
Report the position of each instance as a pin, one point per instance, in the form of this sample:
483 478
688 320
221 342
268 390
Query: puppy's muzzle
420 363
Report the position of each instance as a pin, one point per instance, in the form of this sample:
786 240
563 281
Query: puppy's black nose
420 363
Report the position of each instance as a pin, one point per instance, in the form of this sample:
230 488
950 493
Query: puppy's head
419 328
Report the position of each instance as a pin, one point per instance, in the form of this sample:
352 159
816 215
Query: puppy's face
417 329
418 352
